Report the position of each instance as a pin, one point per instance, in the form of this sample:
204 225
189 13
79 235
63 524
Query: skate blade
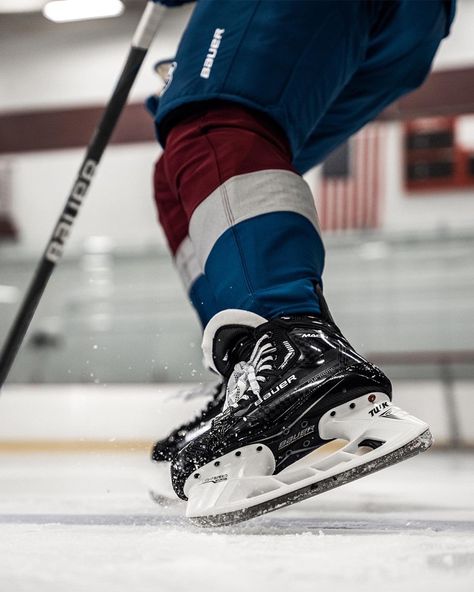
244 483
412 448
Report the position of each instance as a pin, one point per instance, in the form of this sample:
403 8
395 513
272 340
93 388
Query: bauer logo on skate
217 478
295 437
379 408
281 386
212 53
55 248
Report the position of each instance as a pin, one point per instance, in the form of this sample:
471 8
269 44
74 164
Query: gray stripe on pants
246 196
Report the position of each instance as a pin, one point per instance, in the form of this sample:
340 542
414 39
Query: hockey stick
141 41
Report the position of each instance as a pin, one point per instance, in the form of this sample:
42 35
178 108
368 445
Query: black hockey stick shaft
142 39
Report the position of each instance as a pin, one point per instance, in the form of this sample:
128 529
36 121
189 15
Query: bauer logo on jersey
212 53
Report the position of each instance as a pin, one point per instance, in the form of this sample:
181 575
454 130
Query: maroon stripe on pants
170 211
206 148
215 144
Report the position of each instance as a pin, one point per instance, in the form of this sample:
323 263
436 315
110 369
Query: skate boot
166 449
304 413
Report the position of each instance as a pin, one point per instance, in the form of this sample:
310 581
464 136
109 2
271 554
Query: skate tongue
223 332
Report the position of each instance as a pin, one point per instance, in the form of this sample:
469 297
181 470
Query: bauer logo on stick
55 248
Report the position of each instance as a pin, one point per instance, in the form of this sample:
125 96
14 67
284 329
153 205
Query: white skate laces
246 375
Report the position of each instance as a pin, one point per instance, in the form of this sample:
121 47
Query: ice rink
86 522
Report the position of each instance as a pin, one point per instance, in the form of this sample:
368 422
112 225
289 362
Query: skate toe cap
162 451
193 456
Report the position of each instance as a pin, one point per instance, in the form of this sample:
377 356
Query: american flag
349 188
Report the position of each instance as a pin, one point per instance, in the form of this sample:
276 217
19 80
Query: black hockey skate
304 413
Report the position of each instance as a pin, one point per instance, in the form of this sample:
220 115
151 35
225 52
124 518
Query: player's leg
294 382
251 216
267 222
262 252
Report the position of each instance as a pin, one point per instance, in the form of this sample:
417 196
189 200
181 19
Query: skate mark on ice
280 526
96 520
313 525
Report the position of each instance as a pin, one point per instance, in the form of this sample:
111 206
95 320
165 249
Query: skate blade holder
371 427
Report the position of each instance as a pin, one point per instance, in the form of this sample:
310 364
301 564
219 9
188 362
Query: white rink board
146 412
64 412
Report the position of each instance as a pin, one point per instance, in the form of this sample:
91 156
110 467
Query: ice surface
85 522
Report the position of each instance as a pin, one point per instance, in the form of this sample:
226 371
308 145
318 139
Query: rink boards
124 417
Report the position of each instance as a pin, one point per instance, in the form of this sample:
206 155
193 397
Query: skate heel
370 422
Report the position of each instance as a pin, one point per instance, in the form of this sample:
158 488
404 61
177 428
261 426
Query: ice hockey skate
295 385
165 450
